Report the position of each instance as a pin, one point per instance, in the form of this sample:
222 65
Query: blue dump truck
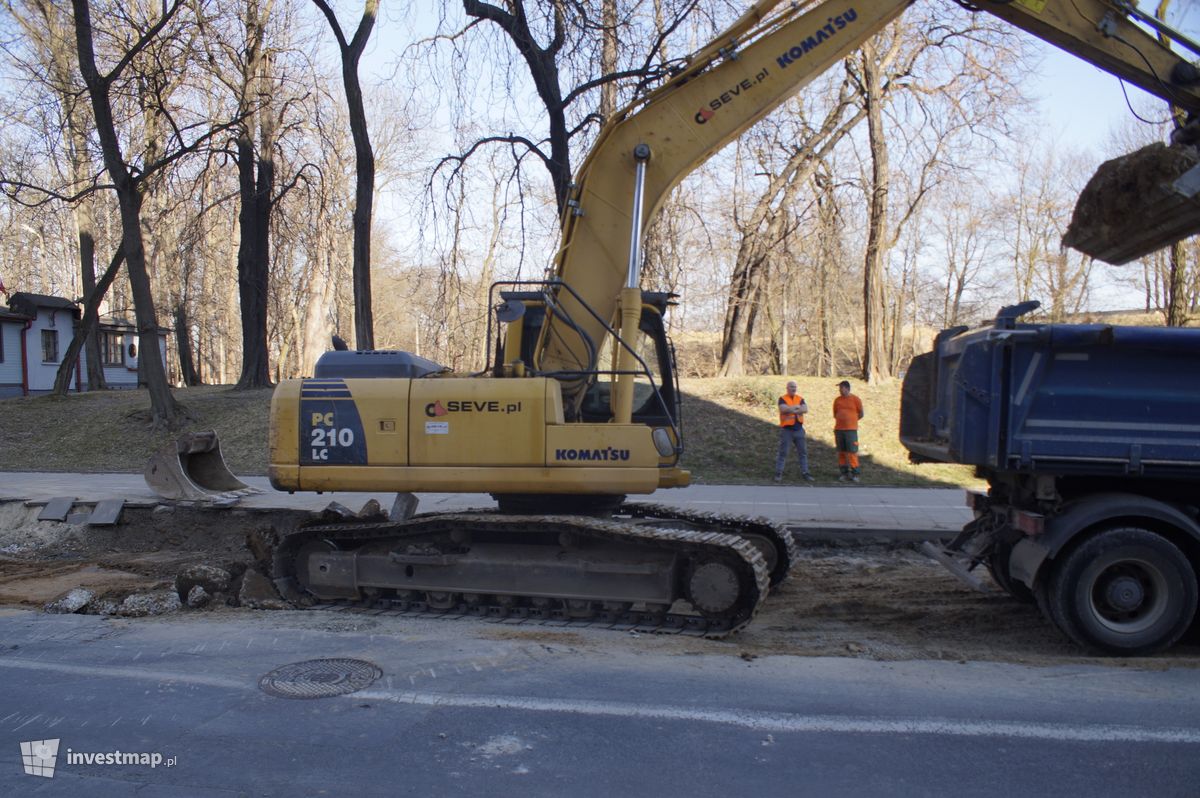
1089 438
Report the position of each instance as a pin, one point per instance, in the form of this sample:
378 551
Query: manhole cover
319 678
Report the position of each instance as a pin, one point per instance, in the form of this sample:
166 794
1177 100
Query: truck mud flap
954 566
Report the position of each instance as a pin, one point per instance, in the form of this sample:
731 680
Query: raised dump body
1089 438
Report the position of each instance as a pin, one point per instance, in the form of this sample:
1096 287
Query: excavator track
418 567
776 543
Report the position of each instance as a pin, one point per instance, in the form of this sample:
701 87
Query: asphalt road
471 708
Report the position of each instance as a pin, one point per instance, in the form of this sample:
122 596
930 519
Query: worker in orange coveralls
847 410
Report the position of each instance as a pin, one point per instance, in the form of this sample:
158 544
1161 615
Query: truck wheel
1126 591
997 564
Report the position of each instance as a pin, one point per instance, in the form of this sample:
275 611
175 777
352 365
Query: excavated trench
877 601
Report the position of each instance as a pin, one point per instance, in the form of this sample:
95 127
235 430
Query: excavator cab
656 392
656 388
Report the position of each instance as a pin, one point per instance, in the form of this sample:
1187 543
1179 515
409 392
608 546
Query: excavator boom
745 73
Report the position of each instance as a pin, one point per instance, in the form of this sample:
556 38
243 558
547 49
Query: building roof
111 321
8 315
28 304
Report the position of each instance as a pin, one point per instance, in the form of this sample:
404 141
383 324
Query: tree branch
143 41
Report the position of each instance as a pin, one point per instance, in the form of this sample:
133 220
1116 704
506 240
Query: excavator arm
768 54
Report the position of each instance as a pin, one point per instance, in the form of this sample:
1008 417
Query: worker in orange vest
847 410
791 432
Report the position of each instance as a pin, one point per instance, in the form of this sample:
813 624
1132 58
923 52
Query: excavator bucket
1138 203
191 468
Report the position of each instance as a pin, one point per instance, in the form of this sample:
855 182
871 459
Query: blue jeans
793 435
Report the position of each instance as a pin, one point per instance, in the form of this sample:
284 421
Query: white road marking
776 722
126 673
788 722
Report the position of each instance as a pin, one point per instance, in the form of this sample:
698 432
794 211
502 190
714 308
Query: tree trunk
827 263
543 70
183 345
164 410
256 184
51 30
608 56
735 336
254 222
364 198
87 273
771 211
1176 287
364 166
87 327
875 365
315 338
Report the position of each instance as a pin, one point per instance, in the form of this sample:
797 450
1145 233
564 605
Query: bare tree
128 179
568 32
874 366
164 409
364 157
764 226
828 258
965 224
951 79
256 187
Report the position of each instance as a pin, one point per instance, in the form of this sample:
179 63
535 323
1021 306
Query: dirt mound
151 550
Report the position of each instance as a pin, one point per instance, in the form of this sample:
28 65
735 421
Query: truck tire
1126 591
997 564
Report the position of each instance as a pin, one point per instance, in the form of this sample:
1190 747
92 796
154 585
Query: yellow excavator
580 404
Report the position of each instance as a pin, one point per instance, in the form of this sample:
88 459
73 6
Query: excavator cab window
654 409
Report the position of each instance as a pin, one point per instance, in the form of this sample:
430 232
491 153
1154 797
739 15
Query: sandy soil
40 560
877 601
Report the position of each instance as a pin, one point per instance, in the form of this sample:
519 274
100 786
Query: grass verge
730 432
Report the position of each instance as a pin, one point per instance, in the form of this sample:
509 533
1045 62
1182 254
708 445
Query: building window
49 346
111 351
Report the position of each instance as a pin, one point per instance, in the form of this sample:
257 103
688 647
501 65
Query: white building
35 331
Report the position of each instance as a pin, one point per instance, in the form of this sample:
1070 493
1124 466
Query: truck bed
1058 398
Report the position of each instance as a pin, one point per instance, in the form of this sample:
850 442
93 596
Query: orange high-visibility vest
787 420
